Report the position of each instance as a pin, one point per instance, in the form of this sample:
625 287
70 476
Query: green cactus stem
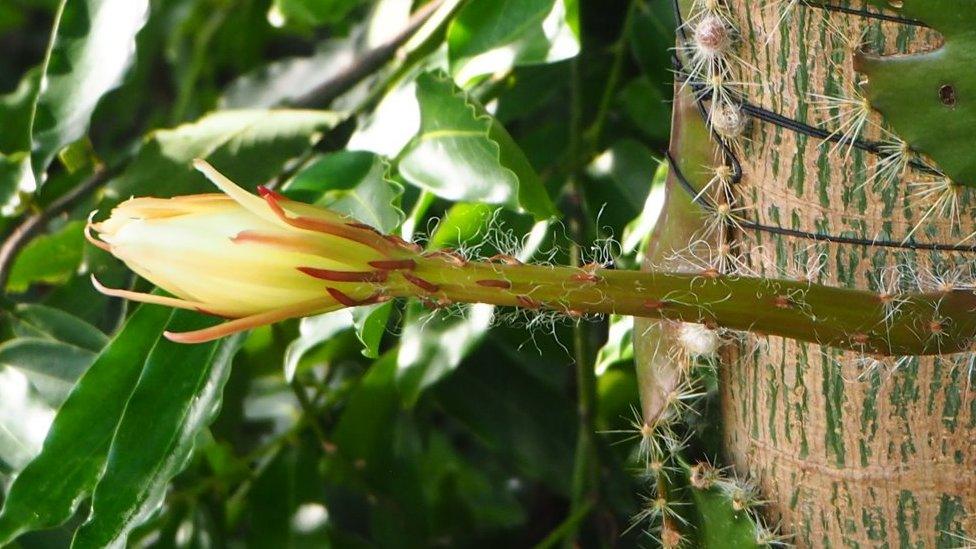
928 98
922 323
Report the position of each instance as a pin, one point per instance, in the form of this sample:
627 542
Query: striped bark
847 458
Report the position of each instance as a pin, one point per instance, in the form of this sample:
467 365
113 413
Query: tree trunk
847 451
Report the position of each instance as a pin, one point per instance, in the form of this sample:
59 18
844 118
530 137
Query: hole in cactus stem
654 304
947 94
783 302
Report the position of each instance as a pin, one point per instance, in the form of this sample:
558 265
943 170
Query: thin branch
368 63
33 225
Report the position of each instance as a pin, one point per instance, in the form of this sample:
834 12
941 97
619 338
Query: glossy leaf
619 346
620 179
463 154
49 489
352 182
283 81
178 395
492 36
33 320
24 420
52 367
16 175
92 46
249 146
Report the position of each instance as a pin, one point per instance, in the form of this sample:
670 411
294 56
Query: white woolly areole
712 36
727 120
697 340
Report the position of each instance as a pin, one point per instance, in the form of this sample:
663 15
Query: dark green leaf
249 146
48 490
621 178
492 36
177 396
312 13
433 346
32 320
516 416
283 81
16 175
92 45
463 154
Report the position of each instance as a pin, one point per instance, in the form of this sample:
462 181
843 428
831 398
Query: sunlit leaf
463 154
249 146
53 367
24 420
91 48
492 36
354 183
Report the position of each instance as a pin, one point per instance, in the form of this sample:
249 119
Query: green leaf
620 179
352 182
177 396
647 108
462 154
16 176
49 489
92 46
52 259
492 36
24 420
433 345
285 80
52 367
33 320
639 229
516 416
619 346
313 331
249 146
312 13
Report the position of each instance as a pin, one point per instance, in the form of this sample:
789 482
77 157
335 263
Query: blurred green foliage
388 426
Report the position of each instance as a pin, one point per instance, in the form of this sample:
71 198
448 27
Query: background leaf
51 258
462 154
91 48
351 182
49 489
177 395
249 146
492 36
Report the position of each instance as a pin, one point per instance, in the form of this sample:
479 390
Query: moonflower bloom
254 259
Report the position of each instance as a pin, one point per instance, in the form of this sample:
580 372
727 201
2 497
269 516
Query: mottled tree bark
847 452
886 459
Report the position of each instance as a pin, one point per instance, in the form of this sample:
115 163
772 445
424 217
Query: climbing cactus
847 166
